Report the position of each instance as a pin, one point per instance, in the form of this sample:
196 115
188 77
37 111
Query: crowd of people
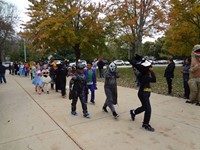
83 81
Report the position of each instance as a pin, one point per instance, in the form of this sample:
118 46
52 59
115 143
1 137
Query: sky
22 6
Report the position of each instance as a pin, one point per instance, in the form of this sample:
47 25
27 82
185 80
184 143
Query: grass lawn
127 79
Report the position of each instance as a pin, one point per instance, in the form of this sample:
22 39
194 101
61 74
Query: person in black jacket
145 76
2 73
169 74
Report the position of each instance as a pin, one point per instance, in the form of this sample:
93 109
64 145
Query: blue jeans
92 89
2 76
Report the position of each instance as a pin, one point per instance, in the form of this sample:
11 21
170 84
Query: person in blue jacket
90 75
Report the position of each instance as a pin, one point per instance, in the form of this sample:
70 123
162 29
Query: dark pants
92 89
101 73
81 96
146 106
2 76
63 88
186 89
169 83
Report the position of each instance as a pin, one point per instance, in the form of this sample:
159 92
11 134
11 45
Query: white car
126 63
7 63
84 62
119 62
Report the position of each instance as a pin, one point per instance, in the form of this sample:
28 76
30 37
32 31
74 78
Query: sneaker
105 110
42 90
47 92
132 112
86 115
115 115
197 104
148 127
92 102
74 113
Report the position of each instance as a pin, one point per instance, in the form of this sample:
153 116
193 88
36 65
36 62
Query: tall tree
8 18
136 18
59 24
184 26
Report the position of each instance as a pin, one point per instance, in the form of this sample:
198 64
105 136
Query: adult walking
185 71
100 65
2 73
169 74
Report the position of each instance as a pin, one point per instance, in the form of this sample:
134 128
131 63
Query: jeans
2 76
92 89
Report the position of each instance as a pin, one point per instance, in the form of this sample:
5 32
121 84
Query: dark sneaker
92 102
47 92
198 104
74 113
42 90
148 127
86 115
132 112
115 115
105 110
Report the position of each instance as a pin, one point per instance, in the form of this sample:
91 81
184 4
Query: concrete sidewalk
43 122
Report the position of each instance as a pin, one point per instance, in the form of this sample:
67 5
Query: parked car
80 61
7 63
126 63
119 62
177 61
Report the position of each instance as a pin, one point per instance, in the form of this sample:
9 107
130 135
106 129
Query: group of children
84 80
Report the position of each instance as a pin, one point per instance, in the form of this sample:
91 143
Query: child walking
110 88
77 87
37 81
91 82
46 78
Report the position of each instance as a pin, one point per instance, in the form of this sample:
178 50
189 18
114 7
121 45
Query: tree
66 24
8 18
184 27
136 19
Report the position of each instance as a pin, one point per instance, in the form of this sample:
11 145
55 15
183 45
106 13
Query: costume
145 76
77 87
60 79
90 75
46 79
194 81
110 87
37 81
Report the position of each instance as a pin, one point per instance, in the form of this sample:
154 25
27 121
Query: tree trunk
77 51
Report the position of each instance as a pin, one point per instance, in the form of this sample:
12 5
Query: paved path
29 121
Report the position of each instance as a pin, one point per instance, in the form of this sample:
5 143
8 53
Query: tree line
112 29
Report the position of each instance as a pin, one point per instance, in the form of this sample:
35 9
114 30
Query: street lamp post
24 51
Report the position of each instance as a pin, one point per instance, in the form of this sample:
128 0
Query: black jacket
169 71
2 69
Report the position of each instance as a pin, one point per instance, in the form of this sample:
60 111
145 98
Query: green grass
127 79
